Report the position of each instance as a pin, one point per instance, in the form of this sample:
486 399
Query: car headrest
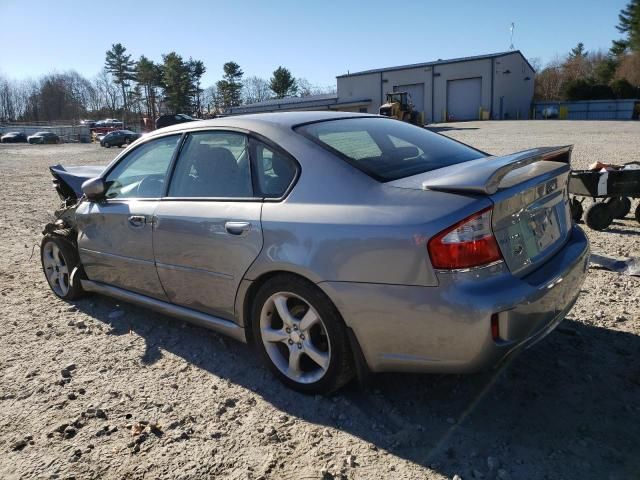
213 162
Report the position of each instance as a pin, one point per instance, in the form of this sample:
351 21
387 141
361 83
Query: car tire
106 144
576 210
638 213
59 257
301 336
620 206
599 216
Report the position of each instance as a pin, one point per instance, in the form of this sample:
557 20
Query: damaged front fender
68 183
68 180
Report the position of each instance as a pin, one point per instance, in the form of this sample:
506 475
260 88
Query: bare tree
108 91
7 107
95 101
549 81
629 69
255 89
208 100
306 88
536 63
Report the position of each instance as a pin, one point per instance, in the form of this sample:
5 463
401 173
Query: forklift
398 105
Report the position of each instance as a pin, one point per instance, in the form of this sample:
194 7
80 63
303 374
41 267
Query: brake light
469 243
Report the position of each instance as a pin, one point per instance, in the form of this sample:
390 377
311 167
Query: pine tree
230 87
629 23
146 75
578 51
119 64
176 82
196 71
283 84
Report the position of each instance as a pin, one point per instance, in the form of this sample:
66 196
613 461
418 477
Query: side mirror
94 188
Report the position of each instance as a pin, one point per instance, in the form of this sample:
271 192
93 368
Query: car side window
213 164
274 171
142 173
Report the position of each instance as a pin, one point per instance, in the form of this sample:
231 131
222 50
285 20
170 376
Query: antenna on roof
511 29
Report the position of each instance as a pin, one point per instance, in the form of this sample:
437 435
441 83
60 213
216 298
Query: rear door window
388 149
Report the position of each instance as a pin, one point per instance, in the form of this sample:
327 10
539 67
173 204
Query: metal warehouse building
496 86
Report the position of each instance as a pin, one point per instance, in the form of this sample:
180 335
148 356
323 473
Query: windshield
388 149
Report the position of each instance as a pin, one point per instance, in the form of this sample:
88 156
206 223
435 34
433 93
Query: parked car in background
335 242
14 137
43 137
109 122
102 127
119 138
167 120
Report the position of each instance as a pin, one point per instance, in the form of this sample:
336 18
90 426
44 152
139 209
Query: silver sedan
335 242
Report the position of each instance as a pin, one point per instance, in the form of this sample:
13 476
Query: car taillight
469 243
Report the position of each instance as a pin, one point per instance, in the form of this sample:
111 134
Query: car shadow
566 408
448 129
623 231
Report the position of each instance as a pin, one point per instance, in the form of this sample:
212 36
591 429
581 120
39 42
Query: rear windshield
388 149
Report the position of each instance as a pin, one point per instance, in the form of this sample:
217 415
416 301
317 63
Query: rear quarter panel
338 224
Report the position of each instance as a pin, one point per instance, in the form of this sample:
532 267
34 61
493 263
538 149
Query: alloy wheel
295 337
56 269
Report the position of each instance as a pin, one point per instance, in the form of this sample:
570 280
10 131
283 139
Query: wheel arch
249 288
244 303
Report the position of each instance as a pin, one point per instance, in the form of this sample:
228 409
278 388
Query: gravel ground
97 389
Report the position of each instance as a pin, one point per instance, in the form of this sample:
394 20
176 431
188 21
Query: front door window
142 173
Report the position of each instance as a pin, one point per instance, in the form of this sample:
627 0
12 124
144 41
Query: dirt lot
567 408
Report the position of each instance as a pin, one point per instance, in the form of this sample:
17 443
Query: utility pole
511 29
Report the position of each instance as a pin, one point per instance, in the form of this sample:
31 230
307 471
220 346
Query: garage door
416 92
463 99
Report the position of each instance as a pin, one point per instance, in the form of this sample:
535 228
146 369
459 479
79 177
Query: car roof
259 121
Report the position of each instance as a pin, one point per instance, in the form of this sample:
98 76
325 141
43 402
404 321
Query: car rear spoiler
483 176
68 180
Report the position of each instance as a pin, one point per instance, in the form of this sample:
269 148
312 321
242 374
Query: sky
316 40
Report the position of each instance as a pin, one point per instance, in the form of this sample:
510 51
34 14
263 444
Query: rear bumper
447 329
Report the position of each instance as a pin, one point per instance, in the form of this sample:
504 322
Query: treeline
584 75
133 89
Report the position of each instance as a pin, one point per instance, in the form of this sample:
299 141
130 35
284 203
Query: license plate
545 226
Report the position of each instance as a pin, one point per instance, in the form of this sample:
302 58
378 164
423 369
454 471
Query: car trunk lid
531 219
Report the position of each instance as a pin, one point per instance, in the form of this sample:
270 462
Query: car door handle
137 221
237 228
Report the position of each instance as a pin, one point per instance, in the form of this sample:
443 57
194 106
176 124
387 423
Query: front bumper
447 329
